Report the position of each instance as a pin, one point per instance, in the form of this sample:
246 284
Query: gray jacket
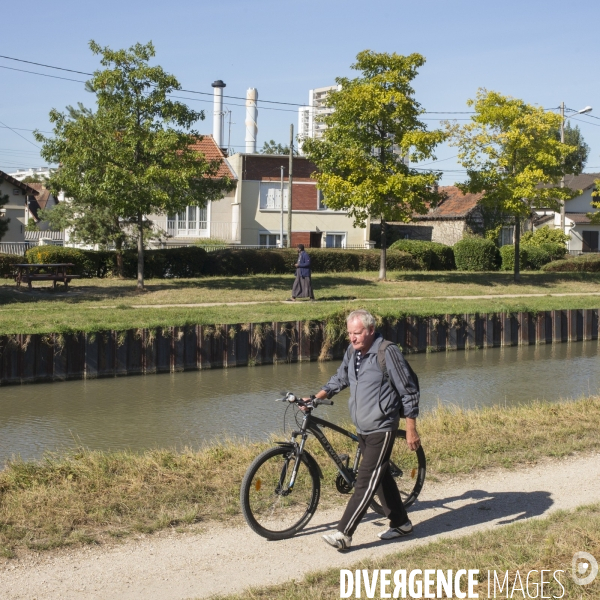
374 404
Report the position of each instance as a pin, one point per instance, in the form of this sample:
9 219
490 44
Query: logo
585 568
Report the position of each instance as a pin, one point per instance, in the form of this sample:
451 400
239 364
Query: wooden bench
55 272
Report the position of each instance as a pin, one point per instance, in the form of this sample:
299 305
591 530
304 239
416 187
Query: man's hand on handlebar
319 396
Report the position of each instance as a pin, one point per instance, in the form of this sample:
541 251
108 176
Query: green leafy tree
271 147
512 155
132 156
575 160
374 127
4 221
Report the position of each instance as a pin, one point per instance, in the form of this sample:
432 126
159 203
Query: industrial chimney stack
218 114
251 118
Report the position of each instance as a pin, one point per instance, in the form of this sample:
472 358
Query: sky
539 51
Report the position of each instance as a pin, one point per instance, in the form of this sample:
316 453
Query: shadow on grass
88 290
493 278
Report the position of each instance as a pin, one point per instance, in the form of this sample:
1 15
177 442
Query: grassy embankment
92 496
538 544
95 305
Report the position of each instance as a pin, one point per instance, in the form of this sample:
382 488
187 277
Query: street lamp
587 109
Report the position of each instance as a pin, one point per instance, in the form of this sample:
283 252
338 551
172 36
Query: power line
433 112
17 133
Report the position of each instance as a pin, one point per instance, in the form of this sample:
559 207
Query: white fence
15 247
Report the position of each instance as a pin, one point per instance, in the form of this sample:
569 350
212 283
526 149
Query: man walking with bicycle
383 388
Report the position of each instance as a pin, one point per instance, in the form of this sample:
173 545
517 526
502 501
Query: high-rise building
309 126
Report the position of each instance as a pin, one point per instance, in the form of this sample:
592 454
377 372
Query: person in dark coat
302 285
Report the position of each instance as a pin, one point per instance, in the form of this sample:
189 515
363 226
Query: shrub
545 235
9 259
430 255
85 262
167 263
476 254
580 264
531 257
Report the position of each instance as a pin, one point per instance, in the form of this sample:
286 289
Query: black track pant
372 472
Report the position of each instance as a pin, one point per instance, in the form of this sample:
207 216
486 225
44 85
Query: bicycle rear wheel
271 508
408 469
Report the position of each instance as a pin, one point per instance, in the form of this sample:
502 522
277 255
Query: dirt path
397 298
225 560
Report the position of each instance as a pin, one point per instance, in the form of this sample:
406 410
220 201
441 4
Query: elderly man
377 400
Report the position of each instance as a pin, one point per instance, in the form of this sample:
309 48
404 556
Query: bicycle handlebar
312 403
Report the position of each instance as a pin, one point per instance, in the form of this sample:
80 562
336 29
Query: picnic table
55 272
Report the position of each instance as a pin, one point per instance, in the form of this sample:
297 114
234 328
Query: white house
584 235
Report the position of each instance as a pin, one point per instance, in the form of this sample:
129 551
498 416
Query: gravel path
226 560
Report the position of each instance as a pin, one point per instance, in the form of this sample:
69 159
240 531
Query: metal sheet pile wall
57 357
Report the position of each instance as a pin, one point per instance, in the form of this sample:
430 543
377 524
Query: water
189 409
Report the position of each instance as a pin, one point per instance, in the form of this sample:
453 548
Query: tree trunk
140 265
517 249
383 257
119 257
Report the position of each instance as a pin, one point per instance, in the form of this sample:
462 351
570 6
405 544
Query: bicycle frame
310 424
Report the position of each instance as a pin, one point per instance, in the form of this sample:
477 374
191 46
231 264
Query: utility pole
281 211
289 223
562 179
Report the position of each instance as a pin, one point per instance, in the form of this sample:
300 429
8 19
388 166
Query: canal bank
59 357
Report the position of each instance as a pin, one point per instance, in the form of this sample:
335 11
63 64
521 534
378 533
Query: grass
88 496
538 544
96 305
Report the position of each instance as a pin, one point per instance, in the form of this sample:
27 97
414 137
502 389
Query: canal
198 407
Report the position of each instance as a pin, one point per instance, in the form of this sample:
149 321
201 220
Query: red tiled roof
43 194
454 205
211 151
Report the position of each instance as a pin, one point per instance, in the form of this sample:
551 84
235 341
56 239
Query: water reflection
197 407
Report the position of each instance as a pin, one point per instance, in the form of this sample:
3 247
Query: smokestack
218 122
251 118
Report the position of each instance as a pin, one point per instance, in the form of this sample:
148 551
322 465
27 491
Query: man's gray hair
365 317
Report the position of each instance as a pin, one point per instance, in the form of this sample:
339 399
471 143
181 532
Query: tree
271 147
132 156
575 161
374 127
4 221
512 155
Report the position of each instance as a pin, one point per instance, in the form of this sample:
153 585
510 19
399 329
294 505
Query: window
590 241
320 202
335 240
16 192
193 221
270 195
507 236
271 240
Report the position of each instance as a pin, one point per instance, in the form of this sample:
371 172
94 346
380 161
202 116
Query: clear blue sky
541 51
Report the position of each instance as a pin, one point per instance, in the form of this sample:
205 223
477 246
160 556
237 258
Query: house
43 201
17 209
584 235
447 223
218 220
258 197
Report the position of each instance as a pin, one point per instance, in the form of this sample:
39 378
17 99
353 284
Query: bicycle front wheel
408 470
271 506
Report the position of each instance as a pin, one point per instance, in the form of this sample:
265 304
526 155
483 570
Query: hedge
531 257
430 255
322 260
476 254
87 263
194 261
5 261
580 264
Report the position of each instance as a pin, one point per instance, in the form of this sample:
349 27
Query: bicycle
281 488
